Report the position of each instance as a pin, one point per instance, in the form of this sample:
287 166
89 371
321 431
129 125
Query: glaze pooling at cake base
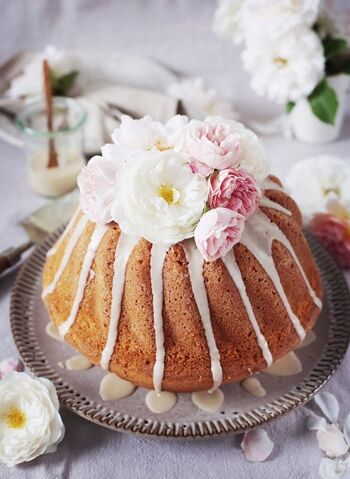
185 268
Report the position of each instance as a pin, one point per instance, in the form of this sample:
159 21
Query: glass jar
67 138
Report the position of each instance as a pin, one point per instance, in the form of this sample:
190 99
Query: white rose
30 424
147 134
158 197
316 182
31 82
199 101
287 68
270 18
227 20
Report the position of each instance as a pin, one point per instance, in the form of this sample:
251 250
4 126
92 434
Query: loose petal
331 441
10 364
333 468
328 404
256 445
346 429
316 423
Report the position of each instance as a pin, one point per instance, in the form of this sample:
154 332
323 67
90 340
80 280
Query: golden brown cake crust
187 361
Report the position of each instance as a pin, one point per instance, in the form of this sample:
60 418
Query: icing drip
274 205
52 331
67 254
229 261
253 386
195 270
271 185
112 387
158 255
258 236
123 250
278 235
54 249
288 365
95 240
160 402
78 363
309 338
208 401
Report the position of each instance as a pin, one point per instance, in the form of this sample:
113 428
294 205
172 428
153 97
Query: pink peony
234 189
9 365
334 234
211 146
96 182
217 232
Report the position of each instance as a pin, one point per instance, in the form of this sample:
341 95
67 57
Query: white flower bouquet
296 55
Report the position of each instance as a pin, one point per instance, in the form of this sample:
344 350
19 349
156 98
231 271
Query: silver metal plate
78 390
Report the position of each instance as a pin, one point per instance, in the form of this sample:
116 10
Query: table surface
178 33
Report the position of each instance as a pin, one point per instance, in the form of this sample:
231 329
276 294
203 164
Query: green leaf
323 102
289 106
338 64
62 85
332 46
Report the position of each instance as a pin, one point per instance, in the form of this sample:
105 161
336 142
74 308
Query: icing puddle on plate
113 388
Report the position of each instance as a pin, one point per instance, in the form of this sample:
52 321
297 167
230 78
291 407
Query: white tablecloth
178 33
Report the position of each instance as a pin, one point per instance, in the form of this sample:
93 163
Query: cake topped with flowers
185 266
183 179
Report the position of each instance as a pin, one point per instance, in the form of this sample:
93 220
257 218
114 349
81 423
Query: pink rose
234 189
9 365
96 182
211 146
217 232
334 234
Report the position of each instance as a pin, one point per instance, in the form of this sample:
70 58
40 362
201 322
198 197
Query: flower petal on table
328 404
346 429
315 423
256 445
334 469
331 441
10 364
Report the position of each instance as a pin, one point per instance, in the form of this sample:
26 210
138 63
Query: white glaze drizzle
274 205
229 261
269 184
123 250
208 401
257 238
95 240
158 254
67 254
195 271
54 249
112 388
278 235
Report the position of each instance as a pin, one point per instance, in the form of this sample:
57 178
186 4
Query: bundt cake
218 297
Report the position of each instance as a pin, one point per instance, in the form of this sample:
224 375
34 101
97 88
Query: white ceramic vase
307 127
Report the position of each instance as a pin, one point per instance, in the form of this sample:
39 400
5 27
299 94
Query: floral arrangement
290 50
169 182
30 424
321 188
63 74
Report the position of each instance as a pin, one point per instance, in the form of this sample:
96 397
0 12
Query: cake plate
78 390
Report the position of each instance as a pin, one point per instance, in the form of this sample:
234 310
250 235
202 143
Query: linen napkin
102 119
